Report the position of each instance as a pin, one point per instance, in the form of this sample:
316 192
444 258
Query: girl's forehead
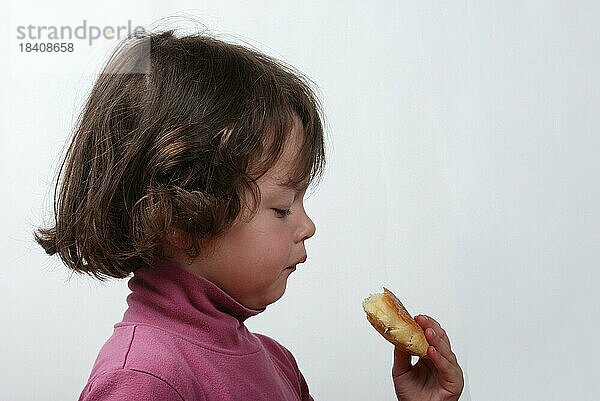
281 173
276 179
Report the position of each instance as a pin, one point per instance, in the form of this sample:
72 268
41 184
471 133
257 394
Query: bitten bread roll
390 318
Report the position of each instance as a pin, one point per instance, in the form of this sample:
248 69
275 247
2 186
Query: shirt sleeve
131 385
304 393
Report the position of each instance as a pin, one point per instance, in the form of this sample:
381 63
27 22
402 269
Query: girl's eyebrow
284 187
296 186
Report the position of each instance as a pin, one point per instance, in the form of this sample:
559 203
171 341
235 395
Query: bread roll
390 318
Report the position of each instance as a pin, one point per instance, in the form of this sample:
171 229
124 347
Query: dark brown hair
175 133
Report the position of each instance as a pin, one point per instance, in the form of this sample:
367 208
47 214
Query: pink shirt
183 338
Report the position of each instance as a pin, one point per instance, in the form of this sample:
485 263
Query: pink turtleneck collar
189 306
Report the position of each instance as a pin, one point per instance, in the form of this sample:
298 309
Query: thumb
401 362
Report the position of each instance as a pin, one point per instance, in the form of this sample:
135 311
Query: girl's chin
273 296
277 295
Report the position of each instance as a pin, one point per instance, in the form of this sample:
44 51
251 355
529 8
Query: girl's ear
175 244
177 238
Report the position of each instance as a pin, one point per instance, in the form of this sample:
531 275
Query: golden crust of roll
390 318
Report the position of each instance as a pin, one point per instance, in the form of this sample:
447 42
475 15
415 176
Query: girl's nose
307 228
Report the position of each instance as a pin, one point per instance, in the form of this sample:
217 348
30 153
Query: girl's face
254 259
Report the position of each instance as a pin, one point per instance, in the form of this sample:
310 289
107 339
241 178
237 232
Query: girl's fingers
428 322
437 337
450 373
440 345
442 364
440 355
402 363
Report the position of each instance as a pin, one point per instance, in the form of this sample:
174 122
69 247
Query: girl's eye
283 212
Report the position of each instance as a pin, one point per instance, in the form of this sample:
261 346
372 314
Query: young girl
188 169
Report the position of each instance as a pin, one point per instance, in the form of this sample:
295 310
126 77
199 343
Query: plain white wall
463 174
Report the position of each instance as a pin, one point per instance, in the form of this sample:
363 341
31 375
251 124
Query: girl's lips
293 267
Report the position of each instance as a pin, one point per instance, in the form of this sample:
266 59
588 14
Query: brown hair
175 133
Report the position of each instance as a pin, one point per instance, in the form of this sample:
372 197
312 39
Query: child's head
254 258
179 135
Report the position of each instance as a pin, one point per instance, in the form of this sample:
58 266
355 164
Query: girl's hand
435 377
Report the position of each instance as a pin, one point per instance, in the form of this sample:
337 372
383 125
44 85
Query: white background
463 174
